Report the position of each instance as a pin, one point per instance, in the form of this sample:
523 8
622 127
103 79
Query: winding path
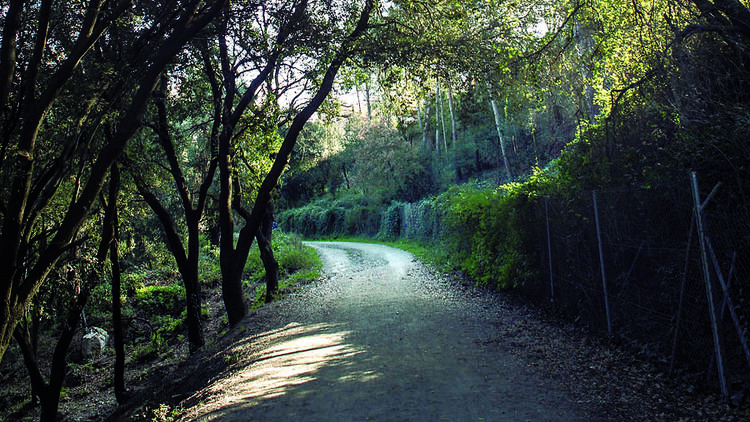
380 338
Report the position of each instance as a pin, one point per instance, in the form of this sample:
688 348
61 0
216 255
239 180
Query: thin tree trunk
426 129
367 96
437 119
454 134
498 125
346 177
114 261
359 101
119 338
442 122
34 337
419 119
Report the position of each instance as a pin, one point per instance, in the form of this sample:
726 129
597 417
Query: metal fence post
549 252
709 289
601 261
682 294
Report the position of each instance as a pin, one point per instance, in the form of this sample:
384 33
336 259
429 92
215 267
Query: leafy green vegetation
145 155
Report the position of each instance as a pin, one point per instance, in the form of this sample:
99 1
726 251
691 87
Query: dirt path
380 338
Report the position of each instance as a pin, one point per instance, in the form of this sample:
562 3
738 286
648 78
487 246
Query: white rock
93 342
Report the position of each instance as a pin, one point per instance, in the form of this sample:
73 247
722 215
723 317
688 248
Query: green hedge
481 230
332 218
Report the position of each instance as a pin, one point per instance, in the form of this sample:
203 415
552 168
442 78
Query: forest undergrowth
156 345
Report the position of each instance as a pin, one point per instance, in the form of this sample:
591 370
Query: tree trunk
346 177
367 97
193 294
454 134
419 117
49 392
119 376
498 125
437 120
265 238
359 101
187 262
426 129
112 236
442 122
34 338
59 365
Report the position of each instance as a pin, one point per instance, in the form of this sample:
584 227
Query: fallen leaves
611 383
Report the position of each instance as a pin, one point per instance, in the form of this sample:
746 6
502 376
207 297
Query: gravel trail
380 338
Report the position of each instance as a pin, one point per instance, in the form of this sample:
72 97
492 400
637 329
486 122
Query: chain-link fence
630 262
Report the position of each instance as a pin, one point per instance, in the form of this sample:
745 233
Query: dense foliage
144 146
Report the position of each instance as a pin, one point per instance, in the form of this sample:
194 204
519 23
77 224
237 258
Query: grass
297 264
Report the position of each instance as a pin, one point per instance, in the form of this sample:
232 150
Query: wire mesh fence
629 262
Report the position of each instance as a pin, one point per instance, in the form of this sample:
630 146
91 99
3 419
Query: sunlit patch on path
283 358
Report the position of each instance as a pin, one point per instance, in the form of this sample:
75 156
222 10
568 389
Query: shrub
391 221
209 266
160 299
293 259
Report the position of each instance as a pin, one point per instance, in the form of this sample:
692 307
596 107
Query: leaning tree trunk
264 237
498 124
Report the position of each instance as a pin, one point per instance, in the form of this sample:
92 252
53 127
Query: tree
32 177
297 26
193 207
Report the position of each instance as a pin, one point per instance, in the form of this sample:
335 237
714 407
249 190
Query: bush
352 215
209 266
292 255
160 299
391 221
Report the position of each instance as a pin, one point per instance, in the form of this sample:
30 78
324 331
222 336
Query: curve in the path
380 338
